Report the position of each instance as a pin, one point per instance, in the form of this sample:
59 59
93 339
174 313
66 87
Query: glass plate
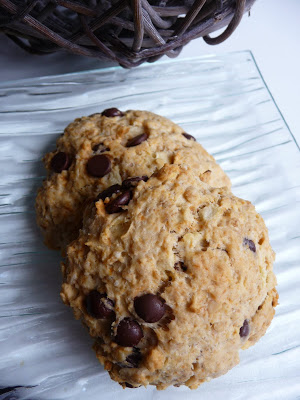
224 102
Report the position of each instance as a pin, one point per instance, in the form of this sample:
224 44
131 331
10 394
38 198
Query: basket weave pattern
128 32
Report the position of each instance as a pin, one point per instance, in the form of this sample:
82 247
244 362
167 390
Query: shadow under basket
128 32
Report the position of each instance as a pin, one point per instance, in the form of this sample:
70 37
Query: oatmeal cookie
172 278
101 150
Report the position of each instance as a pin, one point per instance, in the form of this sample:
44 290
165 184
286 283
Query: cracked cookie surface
172 282
101 150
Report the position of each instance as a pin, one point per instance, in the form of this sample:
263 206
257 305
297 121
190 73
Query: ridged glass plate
224 102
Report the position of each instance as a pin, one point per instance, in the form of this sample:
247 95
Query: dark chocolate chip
98 306
60 162
134 358
149 307
99 165
129 333
131 182
137 140
115 205
250 243
189 137
100 147
180 266
112 112
245 329
109 192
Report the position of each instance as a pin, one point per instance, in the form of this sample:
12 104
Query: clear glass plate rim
162 62
118 68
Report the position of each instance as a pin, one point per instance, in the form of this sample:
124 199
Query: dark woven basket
128 32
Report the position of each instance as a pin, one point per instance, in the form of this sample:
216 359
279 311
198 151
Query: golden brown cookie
172 278
98 151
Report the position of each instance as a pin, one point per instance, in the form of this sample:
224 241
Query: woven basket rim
126 32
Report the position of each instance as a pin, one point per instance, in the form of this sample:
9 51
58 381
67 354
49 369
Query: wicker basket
128 32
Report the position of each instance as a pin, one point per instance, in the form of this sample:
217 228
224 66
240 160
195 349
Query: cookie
101 150
172 281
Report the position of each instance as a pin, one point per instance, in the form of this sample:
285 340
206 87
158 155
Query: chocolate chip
137 140
135 358
112 112
245 329
100 147
115 205
109 192
60 162
188 136
132 182
149 307
129 333
99 165
180 266
250 243
99 306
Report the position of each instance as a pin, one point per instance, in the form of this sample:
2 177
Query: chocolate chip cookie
172 278
104 149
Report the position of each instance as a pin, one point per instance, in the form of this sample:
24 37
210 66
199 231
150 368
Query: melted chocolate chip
149 307
132 182
109 192
112 112
134 358
98 306
180 266
60 162
99 165
137 140
250 243
115 205
188 136
129 333
245 329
